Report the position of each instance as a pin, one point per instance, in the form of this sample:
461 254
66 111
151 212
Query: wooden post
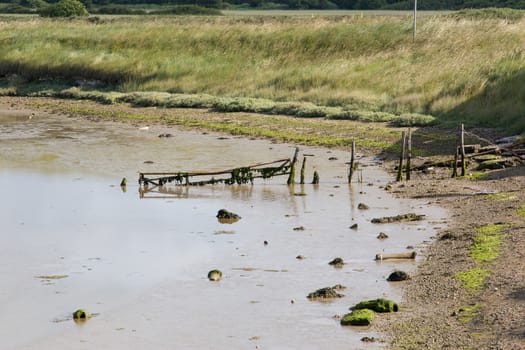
291 178
462 149
303 166
352 157
315 180
400 168
415 21
455 165
409 152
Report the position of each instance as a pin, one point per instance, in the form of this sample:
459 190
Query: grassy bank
467 68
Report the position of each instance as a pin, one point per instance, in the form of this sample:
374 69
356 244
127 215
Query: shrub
64 8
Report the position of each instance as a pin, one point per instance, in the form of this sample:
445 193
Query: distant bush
489 13
64 8
118 10
187 10
16 9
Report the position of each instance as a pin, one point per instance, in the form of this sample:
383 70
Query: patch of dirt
428 317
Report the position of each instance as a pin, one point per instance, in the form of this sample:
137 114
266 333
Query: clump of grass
356 66
502 196
521 211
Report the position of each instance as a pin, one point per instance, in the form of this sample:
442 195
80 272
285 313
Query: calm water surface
141 263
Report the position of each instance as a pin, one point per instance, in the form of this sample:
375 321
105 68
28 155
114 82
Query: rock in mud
166 135
81 314
214 275
398 276
326 293
382 235
398 218
362 206
299 228
362 317
354 227
377 305
337 262
225 216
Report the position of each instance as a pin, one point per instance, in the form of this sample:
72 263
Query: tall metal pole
415 20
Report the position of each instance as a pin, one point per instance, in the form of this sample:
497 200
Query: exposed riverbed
141 263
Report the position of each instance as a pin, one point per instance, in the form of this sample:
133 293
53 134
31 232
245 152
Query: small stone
299 228
325 293
362 206
353 227
292 301
337 262
397 276
214 275
382 235
368 339
299 257
81 314
332 158
265 242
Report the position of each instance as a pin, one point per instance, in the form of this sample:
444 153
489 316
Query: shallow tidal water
140 263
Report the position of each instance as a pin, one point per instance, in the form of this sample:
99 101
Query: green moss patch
378 305
521 211
502 196
472 279
487 243
363 317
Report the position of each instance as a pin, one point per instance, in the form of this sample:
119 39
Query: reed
462 67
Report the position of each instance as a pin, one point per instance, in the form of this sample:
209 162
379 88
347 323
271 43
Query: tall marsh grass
461 67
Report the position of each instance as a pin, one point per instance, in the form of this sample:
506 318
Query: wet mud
140 262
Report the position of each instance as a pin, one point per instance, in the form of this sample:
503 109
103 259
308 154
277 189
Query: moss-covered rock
81 314
337 262
326 293
227 217
361 317
378 305
214 275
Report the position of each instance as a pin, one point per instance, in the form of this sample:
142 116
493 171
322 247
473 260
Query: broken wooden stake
303 166
462 150
352 157
409 153
382 256
400 167
291 178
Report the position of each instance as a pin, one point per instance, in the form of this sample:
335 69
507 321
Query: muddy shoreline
429 315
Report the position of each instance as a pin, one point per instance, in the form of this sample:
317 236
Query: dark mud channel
72 238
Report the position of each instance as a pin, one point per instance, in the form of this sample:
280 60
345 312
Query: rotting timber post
291 178
400 168
352 159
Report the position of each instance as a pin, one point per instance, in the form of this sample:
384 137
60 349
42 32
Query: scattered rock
368 339
382 235
397 218
166 135
226 217
315 180
378 305
265 242
388 187
362 206
81 314
362 317
411 247
299 257
354 227
299 228
325 293
447 235
214 275
148 162
398 276
332 158
337 262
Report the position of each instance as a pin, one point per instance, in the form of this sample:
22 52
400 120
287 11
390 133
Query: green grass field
463 67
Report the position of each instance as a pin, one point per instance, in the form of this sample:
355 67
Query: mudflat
437 310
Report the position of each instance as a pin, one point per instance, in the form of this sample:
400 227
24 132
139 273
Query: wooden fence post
291 178
352 157
400 168
409 152
462 149
455 165
303 166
